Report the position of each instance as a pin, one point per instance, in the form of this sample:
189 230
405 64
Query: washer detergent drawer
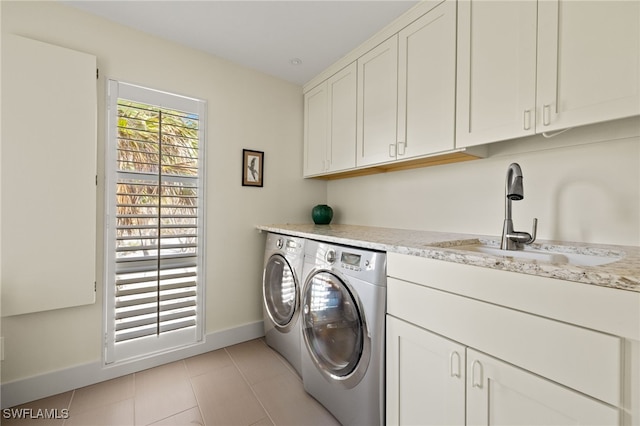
579 358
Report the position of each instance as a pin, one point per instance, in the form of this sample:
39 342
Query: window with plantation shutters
154 221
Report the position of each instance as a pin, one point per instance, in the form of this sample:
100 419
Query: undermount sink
557 255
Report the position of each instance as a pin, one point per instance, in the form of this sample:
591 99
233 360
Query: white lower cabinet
432 380
456 359
425 377
499 393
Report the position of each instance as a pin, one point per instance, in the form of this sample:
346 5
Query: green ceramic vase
322 214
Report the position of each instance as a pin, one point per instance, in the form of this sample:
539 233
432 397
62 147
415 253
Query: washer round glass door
280 289
334 329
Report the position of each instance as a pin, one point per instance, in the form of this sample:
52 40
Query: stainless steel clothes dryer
343 328
283 262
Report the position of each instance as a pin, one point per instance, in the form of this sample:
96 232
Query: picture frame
252 168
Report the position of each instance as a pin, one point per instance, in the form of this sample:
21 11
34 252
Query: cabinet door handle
527 119
454 366
401 148
546 115
392 150
476 381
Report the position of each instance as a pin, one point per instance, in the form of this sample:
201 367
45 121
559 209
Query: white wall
246 109
582 185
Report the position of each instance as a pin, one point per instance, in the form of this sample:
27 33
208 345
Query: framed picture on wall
252 167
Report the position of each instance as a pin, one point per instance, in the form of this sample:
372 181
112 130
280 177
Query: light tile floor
245 384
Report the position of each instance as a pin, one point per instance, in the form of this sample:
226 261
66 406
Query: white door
342 118
377 103
425 377
502 394
316 126
427 83
496 71
588 62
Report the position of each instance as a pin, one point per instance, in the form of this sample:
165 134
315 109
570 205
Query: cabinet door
425 377
316 125
377 103
500 393
342 119
426 83
496 71
588 62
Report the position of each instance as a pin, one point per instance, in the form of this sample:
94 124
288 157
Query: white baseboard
44 385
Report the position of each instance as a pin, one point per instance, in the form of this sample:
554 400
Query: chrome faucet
513 240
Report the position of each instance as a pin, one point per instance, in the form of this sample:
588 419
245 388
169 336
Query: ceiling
264 35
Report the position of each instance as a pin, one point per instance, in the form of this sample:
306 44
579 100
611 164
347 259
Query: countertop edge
621 275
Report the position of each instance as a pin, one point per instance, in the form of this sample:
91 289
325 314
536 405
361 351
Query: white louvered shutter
155 222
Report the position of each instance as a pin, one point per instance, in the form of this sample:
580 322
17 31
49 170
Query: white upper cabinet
426 83
330 124
377 104
396 93
588 62
496 71
316 127
530 67
342 119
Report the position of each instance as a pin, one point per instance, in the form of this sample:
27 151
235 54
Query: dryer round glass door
280 291
334 329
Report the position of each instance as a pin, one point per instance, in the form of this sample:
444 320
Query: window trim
146 346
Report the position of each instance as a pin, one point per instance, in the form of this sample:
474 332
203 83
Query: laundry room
210 234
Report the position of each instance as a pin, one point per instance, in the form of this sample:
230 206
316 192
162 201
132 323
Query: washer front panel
334 329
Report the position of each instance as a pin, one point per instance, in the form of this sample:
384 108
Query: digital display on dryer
350 259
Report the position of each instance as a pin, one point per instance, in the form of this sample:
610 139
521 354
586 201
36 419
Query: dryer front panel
280 289
334 329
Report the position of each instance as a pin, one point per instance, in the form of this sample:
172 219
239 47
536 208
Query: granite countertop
623 274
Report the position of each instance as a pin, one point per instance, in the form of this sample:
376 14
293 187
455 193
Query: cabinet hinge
97 73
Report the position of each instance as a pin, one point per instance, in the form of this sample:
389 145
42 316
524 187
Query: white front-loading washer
283 262
343 328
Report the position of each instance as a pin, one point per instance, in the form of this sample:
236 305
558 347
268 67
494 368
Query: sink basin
557 255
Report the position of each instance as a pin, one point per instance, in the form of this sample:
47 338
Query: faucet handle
533 232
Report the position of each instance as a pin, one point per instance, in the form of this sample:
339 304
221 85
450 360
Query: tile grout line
73 394
188 377
255 395
135 389
195 394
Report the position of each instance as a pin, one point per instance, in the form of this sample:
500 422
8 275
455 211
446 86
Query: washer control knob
279 243
330 256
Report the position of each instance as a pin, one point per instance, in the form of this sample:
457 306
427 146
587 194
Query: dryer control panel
364 264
